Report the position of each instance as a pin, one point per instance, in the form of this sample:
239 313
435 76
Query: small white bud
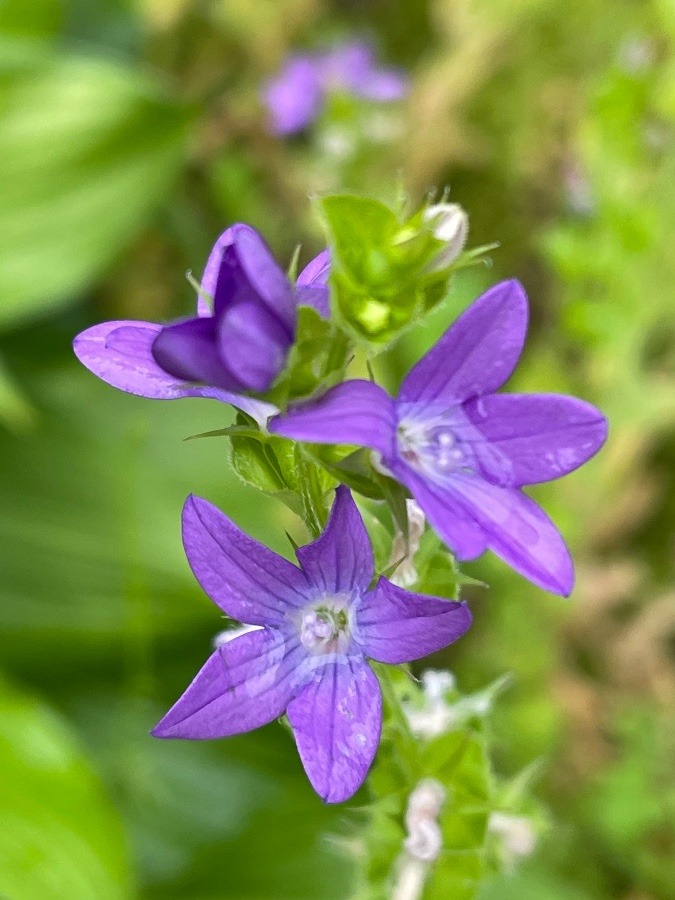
448 223
406 574
516 833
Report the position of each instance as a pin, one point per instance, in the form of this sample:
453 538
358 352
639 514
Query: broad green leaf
30 18
90 546
88 149
16 412
60 835
256 463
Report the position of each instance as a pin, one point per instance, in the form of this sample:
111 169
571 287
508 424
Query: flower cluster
458 448
294 98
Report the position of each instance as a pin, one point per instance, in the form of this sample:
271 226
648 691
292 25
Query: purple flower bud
238 341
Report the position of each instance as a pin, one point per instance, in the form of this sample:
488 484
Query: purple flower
239 345
464 451
318 623
295 97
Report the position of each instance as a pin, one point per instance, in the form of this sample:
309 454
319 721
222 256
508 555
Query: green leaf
60 836
317 360
88 148
30 18
362 232
354 469
381 277
256 464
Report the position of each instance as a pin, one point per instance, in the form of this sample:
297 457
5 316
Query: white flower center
430 447
326 626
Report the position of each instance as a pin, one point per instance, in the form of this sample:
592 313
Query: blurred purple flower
464 451
239 345
319 623
295 97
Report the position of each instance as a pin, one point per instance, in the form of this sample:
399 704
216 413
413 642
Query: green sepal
317 360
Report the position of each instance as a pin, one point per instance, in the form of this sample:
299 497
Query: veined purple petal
210 276
397 626
521 439
189 351
354 412
341 559
474 357
294 97
253 343
244 578
457 528
248 271
245 684
516 529
317 270
311 288
337 719
120 353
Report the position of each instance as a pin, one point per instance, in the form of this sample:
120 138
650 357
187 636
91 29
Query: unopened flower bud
448 223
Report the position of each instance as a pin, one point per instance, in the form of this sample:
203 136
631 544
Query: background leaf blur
131 134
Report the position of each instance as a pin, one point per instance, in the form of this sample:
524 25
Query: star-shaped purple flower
318 624
296 96
464 451
239 345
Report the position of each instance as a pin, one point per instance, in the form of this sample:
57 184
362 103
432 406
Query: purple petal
189 351
245 684
244 578
120 353
312 285
385 86
516 529
457 528
521 439
351 67
253 344
347 67
210 276
294 97
248 271
336 720
396 626
354 412
341 559
317 297
317 271
476 354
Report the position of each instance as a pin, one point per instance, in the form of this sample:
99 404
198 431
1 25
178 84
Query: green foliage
283 469
60 835
457 758
318 359
378 275
105 142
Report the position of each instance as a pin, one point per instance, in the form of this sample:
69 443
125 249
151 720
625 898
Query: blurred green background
131 134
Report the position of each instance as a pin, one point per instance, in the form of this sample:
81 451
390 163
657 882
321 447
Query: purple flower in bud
320 622
238 344
296 96
462 450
